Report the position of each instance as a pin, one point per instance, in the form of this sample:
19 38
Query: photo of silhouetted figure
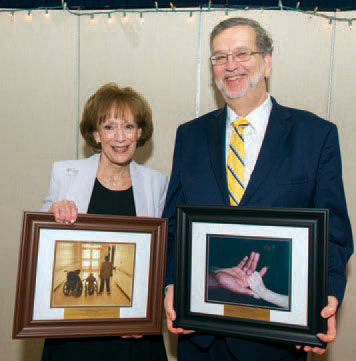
73 285
91 285
105 274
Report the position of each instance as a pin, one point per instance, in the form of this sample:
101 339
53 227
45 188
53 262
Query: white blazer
74 180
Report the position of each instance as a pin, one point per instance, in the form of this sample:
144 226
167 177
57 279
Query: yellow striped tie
236 162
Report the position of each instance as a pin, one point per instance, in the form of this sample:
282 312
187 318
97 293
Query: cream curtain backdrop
50 65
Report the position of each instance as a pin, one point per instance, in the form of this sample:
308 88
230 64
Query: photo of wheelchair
91 285
73 286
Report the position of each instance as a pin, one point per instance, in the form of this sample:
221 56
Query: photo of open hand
249 271
235 278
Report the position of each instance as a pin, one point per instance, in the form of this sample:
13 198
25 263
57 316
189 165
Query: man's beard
252 82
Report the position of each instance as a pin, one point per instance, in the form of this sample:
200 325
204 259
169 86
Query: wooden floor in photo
116 298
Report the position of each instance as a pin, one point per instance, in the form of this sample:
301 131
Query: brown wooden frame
25 326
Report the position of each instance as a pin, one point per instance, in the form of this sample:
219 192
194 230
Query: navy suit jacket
299 166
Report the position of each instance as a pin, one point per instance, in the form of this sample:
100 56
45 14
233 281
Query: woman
115 122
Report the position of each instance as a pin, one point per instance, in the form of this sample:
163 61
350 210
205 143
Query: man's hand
65 211
171 313
329 313
235 279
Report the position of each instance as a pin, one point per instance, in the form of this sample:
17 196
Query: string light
226 15
29 15
173 8
330 24
190 18
110 19
141 20
124 18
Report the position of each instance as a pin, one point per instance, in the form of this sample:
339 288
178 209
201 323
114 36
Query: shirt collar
258 118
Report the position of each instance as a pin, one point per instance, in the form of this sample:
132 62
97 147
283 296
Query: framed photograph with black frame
256 273
101 276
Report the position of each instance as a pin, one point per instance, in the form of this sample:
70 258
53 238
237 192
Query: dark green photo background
275 253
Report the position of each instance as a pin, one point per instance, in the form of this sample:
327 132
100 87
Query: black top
106 201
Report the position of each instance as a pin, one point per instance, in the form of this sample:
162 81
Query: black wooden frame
315 220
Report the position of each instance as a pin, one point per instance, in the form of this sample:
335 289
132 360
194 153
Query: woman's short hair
110 97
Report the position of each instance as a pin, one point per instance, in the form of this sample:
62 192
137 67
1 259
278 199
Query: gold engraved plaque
251 313
92 312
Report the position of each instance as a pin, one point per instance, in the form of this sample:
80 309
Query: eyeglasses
237 55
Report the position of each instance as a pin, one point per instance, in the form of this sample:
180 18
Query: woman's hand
171 313
65 211
133 336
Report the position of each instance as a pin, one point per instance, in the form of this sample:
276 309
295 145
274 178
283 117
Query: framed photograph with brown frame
259 273
101 276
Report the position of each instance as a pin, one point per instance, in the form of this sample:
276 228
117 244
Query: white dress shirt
253 134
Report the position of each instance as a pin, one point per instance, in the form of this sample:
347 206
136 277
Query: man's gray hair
264 42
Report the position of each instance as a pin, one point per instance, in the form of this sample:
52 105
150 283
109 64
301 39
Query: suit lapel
139 190
216 127
278 127
83 184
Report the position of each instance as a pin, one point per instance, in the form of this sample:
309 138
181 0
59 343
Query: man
105 274
289 158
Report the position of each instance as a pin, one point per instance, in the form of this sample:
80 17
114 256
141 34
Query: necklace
114 182
110 181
